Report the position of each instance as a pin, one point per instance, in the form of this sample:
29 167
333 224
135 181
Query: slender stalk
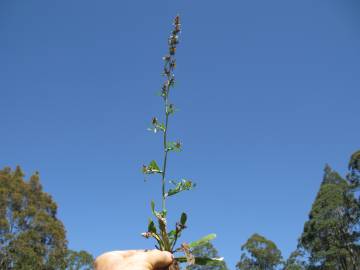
165 153
165 240
168 72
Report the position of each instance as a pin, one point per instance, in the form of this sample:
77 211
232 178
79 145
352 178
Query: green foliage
259 253
79 260
203 252
295 261
203 241
331 235
31 236
354 172
173 146
180 186
151 168
354 163
167 240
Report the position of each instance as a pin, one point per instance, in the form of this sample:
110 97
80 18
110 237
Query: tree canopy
259 253
331 235
80 260
31 235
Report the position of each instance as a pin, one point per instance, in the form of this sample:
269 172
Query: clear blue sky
268 93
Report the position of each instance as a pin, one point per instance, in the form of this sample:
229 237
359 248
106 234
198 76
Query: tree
354 173
354 163
79 260
207 250
295 261
353 178
31 236
259 253
331 234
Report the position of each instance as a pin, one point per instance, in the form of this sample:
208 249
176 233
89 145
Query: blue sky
268 93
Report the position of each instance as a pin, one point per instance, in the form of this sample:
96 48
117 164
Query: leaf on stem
170 109
156 126
174 146
151 168
153 207
202 260
172 234
203 240
183 219
151 227
180 186
152 233
175 234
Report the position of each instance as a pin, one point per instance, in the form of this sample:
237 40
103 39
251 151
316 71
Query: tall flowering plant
166 240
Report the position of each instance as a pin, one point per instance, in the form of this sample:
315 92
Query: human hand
134 260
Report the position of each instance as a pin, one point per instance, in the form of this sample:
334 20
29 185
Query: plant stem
164 166
165 146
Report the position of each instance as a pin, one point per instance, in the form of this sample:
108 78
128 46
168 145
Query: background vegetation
32 237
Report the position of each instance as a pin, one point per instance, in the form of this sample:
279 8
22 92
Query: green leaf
156 126
174 146
153 165
151 227
201 260
183 218
208 261
161 127
153 207
181 259
151 168
180 186
170 109
172 234
203 240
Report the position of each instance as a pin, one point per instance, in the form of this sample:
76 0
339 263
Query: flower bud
172 50
154 121
146 234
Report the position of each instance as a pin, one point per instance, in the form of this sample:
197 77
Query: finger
159 259
120 253
108 259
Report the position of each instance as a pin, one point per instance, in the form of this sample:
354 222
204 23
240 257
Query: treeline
32 237
331 236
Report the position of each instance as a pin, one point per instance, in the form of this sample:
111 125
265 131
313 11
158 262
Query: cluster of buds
170 62
174 38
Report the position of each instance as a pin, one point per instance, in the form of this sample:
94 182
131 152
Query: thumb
159 259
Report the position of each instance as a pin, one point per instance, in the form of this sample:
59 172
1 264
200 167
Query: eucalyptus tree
259 253
331 235
31 235
296 261
79 260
